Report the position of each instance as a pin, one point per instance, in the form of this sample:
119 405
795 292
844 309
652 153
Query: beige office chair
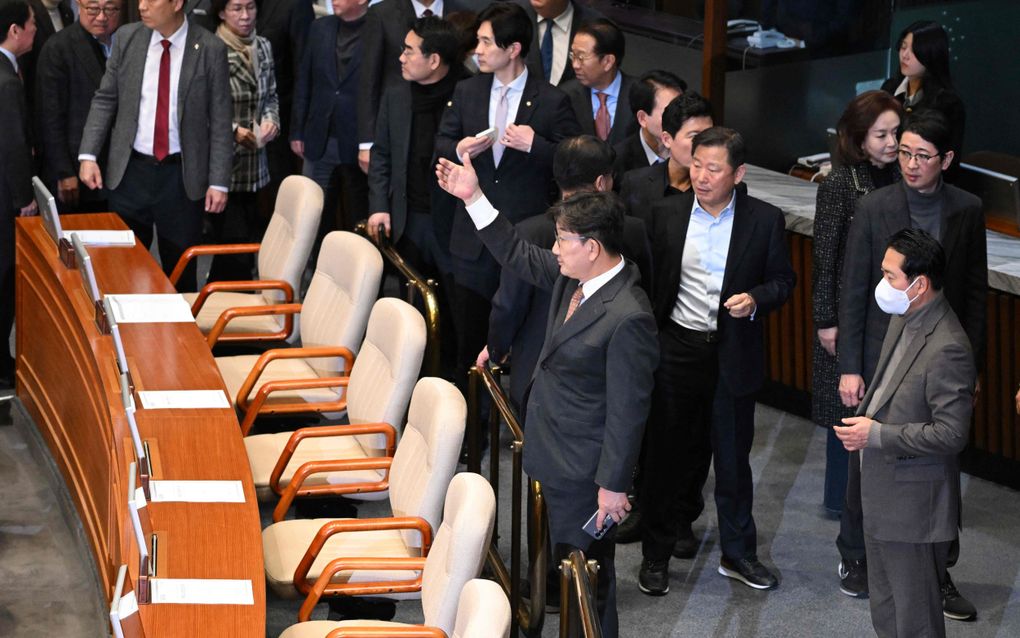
377 393
415 478
483 612
282 257
456 557
334 315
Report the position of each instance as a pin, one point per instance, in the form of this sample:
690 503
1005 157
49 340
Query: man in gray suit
166 97
591 389
912 423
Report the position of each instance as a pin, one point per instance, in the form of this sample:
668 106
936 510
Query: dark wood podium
67 378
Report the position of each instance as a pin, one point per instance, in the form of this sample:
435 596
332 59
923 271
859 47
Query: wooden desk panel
67 379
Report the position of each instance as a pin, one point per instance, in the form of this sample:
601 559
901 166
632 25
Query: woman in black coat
867 158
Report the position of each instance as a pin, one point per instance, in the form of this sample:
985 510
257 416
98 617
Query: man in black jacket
649 96
70 69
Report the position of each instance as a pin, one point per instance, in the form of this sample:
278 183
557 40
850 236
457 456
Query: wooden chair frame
414 631
216 334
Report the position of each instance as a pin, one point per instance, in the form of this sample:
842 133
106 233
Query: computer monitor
47 209
118 343
139 519
999 192
88 274
129 409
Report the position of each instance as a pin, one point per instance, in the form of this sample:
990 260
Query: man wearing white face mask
910 426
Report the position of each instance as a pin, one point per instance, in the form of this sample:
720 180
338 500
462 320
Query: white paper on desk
170 308
196 491
166 399
128 605
193 591
102 237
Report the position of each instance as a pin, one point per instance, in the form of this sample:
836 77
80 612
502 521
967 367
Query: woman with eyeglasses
923 81
866 159
256 122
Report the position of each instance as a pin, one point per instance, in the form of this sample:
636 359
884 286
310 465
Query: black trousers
237 224
7 218
695 418
153 195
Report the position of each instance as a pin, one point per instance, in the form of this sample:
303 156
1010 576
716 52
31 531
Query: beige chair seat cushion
319 628
234 371
217 302
264 450
285 543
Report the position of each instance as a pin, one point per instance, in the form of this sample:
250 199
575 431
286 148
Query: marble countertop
796 198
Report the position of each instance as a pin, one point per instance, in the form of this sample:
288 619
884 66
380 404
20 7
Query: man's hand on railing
375 220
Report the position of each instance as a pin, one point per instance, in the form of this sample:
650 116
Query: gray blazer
910 487
591 390
204 108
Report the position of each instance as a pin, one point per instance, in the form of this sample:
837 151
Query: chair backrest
386 368
290 235
343 289
483 611
427 456
458 549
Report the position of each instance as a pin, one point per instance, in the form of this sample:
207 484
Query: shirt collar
725 212
10 56
436 7
177 38
650 154
902 88
592 286
613 90
516 86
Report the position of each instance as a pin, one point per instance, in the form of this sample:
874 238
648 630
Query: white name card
193 591
183 399
170 308
196 491
102 237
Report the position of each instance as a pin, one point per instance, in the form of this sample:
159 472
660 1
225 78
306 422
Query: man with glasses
952 216
71 67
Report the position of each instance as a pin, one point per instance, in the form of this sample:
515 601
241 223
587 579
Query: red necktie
602 124
575 301
161 133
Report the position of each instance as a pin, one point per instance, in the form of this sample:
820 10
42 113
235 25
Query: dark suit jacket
642 188
624 122
15 148
43 31
517 321
591 390
69 75
319 93
630 155
757 263
910 487
880 214
386 26
204 109
522 185
582 14
285 24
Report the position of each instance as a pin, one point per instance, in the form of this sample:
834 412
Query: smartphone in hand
590 529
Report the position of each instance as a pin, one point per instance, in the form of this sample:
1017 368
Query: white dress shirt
10 56
419 8
561 41
650 154
513 97
150 91
702 268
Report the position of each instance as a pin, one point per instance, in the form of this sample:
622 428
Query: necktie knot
602 97
166 44
427 13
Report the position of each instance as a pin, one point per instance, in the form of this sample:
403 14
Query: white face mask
891 300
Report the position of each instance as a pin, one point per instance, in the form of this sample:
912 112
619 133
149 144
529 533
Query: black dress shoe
954 605
748 571
653 579
686 543
629 531
853 578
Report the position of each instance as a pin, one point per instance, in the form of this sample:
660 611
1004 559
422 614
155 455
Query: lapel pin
450 103
528 103
196 46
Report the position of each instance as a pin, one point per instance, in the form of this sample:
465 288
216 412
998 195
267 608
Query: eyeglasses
580 238
581 57
93 12
922 158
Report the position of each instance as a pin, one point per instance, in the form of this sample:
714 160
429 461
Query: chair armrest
295 487
368 631
325 431
289 353
230 314
259 406
209 249
241 286
323 586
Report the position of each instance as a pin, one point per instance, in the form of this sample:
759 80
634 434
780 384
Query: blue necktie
547 49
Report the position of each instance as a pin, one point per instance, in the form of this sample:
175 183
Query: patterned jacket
255 100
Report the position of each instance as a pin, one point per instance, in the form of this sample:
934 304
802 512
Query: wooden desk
68 381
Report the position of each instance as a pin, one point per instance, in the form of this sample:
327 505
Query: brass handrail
531 614
578 577
415 283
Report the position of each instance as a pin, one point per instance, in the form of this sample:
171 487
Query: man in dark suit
519 310
171 143
648 96
590 391
549 54
514 166
51 17
17 28
954 217
721 265
909 428
386 25
600 94
71 67
681 121
323 131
